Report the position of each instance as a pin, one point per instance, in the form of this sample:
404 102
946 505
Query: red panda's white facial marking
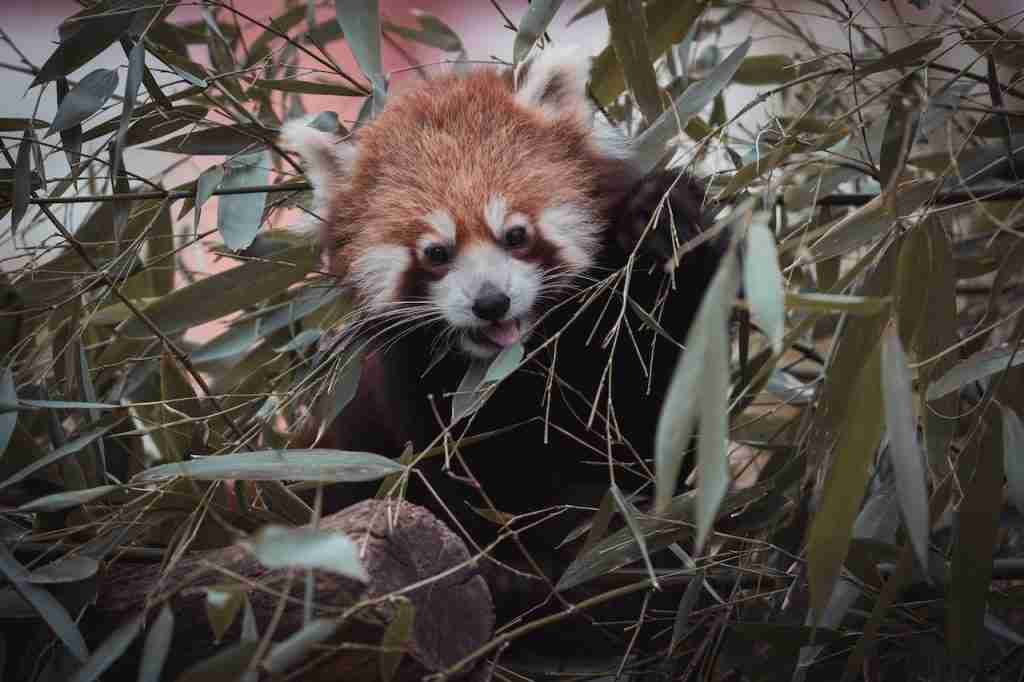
380 269
488 296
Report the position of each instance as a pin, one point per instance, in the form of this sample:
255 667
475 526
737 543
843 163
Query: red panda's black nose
491 304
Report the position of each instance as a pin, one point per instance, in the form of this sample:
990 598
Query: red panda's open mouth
498 334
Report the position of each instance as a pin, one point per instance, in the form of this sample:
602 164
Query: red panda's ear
326 158
555 81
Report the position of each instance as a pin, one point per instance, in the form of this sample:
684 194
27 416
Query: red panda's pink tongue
503 334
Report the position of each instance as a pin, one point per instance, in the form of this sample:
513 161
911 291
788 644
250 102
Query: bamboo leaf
281 547
225 292
223 602
309 87
904 56
227 664
92 36
69 448
8 395
110 650
977 534
628 27
67 500
839 303
832 528
157 646
239 216
360 22
85 99
45 604
69 569
315 464
688 392
298 646
904 450
763 284
975 368
1013 456
397 639
532 26
22 179
650 146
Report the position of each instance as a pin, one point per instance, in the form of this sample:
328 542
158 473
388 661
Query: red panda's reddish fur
450 144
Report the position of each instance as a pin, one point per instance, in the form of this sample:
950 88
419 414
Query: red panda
488 209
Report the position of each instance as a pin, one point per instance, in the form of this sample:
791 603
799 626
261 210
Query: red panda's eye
437 255
515 237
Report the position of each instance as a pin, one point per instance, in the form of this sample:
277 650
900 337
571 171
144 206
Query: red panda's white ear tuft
555 81
327 159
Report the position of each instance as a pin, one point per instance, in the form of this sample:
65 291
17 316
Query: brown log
454 614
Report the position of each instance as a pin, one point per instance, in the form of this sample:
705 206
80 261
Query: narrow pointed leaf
109 651
85 99
157 646
22 179
398 637
281 547
762 283
832 527
69 448
239 216
1013 456
9 396
315 464
650 145
532 26
68 500
45 604
93 35
297 647
904 449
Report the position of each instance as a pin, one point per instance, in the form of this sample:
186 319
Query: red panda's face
468 201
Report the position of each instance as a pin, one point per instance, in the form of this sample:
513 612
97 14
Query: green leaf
397 639
45 604
226 665
532 26
9 395
872 220
22 179
316 464
110 650
904 450
69 569
223 602
432 31
467 397
239 216
1013 456
343 389
977 534
650 146
85 99
156 646
8 125
67 500
281 547
763 284
764 69
839 303
156 125
905 56
225 292
629 513
93 35
975 368
699 388
298 646
669 22
504 363
69 448
360 22
629 38
217 141
832 527
309 87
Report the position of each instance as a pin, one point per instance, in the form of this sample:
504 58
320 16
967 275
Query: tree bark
402 544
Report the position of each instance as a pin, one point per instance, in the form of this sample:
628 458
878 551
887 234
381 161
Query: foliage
872 402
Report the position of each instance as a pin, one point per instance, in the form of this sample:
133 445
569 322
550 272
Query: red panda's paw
649 211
